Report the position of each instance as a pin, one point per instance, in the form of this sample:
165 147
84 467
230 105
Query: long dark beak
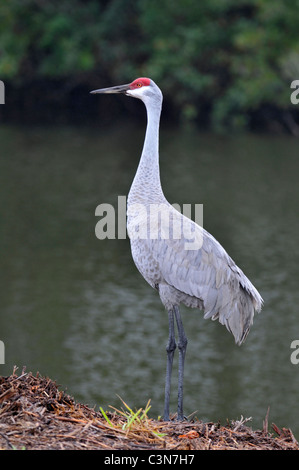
113 89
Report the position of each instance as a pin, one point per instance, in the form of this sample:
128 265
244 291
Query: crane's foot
182 418
175 418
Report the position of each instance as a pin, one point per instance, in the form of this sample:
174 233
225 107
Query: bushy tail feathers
237 315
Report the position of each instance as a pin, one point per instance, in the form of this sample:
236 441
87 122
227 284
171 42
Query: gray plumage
205 278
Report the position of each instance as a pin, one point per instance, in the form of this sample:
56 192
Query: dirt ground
36 415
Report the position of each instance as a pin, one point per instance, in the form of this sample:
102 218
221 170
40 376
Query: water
75 308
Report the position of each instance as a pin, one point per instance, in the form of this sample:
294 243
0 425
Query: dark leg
182 346
170 348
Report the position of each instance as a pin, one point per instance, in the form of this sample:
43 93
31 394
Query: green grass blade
106 417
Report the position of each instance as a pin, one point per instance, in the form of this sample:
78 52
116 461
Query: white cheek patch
136 93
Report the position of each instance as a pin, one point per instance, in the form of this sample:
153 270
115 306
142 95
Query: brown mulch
35 414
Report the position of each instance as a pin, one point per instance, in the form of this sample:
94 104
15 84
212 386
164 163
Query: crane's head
143 88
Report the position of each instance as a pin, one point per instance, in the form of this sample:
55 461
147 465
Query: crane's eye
139 85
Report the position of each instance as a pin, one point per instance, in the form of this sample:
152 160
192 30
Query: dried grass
35 414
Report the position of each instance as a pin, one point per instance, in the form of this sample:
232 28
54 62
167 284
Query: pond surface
75 308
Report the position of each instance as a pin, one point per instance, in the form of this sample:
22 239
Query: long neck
146 186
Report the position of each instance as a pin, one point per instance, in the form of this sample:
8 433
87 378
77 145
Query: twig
265 422
7 441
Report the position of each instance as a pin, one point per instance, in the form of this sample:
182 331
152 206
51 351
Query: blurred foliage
216 60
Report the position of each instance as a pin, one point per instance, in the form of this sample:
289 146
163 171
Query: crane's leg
170 348
182 346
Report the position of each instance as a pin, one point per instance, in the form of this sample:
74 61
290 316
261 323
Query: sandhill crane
205 277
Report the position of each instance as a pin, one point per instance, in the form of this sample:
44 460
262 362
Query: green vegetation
220 62
133 422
